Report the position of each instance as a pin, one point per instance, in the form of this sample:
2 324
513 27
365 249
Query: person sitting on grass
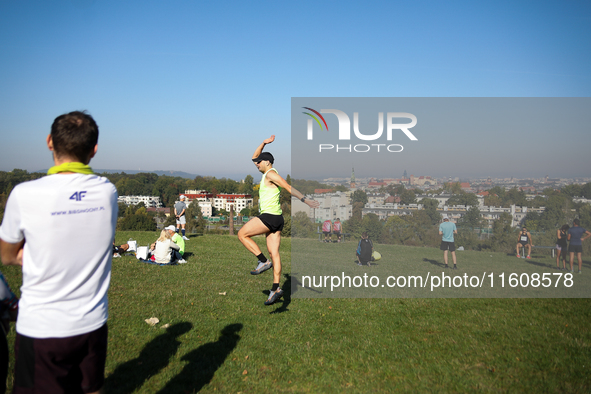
524 240
364 250
119 250
177 239
164 250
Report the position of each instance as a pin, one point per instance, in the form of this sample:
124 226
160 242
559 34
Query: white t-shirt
68 223
163 251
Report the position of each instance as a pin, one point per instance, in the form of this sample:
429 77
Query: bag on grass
132 245
142 252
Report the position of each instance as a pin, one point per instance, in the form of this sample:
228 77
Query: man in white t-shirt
60 228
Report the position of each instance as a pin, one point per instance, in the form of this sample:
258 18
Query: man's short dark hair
577 222
74 135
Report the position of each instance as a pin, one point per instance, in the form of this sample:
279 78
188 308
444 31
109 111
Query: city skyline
173 86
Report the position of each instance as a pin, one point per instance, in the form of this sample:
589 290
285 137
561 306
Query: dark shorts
575 248
451 246
273 222
56 365
337 233
524 242
326 232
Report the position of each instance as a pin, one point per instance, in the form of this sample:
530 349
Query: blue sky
195 86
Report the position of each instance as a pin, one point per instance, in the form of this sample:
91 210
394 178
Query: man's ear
93 152
49 142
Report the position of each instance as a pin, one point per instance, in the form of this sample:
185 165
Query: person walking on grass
270 221
576 236
447 229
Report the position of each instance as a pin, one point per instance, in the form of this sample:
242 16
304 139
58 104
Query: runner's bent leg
253 227
273 243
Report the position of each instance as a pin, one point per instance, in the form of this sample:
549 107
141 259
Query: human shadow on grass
533 262
203 362
294 284
155 356
286 298
434 262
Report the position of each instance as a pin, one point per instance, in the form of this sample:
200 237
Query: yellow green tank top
269 197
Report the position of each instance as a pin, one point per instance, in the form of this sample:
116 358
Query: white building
149 201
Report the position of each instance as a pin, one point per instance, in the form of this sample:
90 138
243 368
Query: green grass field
223 339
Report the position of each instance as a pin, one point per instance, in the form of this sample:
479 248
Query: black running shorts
273 222
451 246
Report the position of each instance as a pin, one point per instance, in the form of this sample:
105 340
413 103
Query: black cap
264 156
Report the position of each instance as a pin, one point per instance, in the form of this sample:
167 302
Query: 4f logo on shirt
77 196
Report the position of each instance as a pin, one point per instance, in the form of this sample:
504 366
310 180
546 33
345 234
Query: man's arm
279 181
258 151
588 235
12 254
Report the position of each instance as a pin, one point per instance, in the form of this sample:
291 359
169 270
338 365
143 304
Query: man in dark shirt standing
576 238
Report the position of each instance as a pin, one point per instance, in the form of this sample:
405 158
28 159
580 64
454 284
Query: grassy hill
221 338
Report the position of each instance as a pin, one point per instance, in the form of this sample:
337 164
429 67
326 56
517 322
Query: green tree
430 207
466 199
136 222
359 196
372 224
504 237
472 217
408 197
194 217
302 226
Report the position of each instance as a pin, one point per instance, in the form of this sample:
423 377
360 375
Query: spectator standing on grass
64 243
179 211
524 240
326 226
576 238
561 246
447 230
270 221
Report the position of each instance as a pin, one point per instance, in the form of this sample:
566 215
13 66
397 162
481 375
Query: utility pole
232 219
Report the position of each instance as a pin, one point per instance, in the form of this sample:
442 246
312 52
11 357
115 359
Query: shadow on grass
286 295
295 284
434 262
155 356
204 362
532 262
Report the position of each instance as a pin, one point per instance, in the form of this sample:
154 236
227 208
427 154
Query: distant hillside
169 173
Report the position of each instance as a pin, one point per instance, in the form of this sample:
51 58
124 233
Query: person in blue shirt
447 229
576 238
